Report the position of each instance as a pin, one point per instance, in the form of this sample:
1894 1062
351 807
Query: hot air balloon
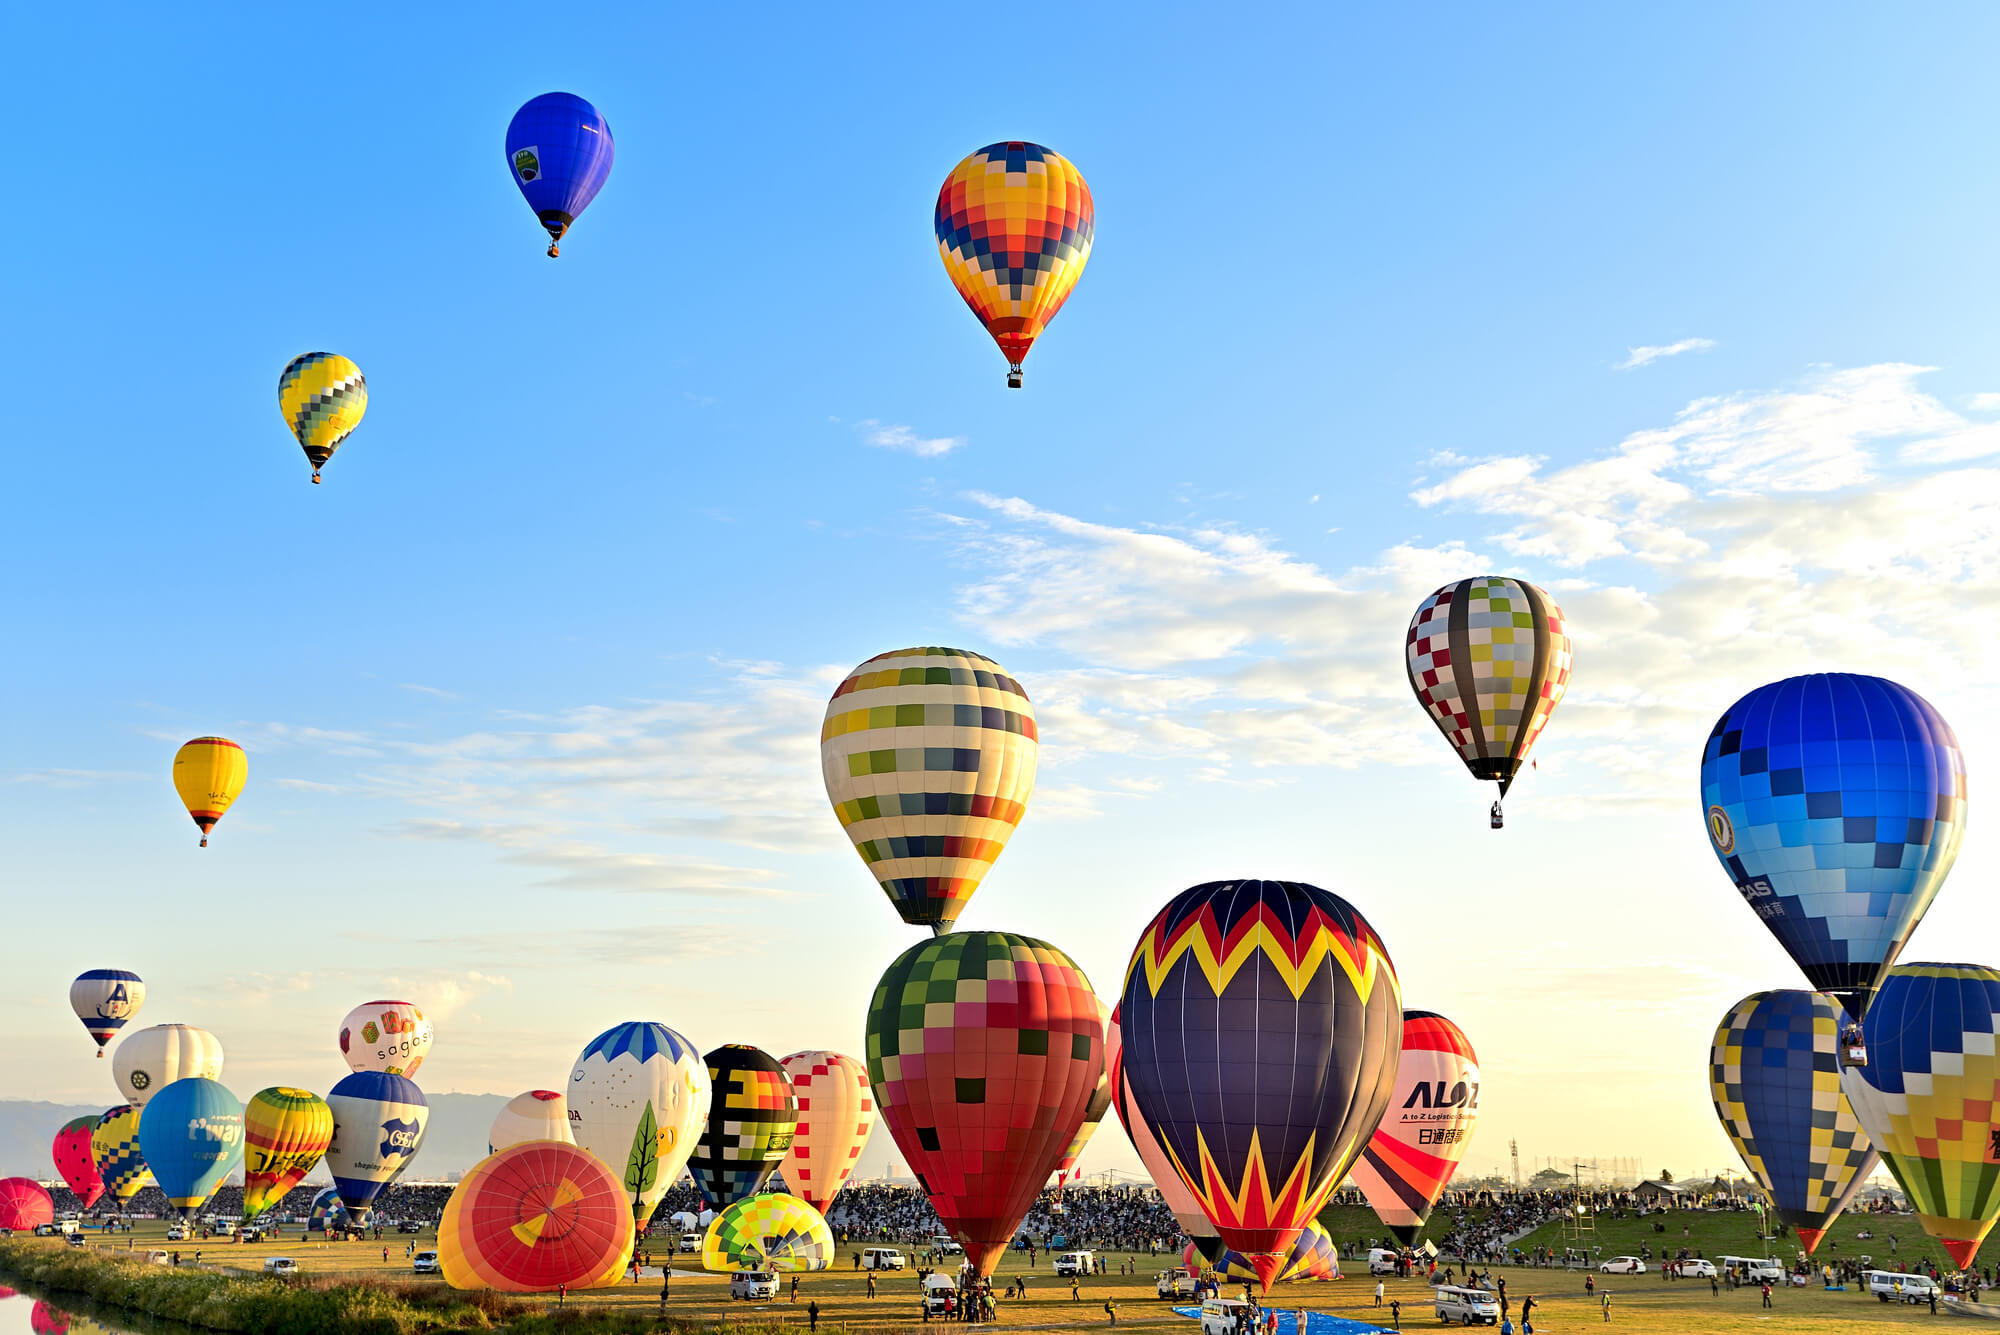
114 1146
322 396
836 1113
75 1161
1187 1210
389 1036
539 1216
559 149
327 1214
154 1058
751 1116
378 1127
983 1051
768 1231
1014 226
1313 1256
1093 1113
1489 659
929 757
104 999
1775 1076
25 1205
46 1320
1262 1024
286 1132
192 1133
1422 1137
209 774
539 1114
1835 804
637 1099
1928 1094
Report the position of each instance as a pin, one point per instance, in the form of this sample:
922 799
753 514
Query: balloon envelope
286 1132
1014 224
1262 1024
637 1099
1187 1210
1928 1094
1312 1256
192 1133
378 1127
391 1036
751 1116
24 1205
929 757
322 397
560 151
1427 1128
1489 659
327 1214
208 774
1093 1112
1835 804
983 1051
539 1114
768 1231
534 1217
1774 1074
154 1058
836 1113
104 999
75 1161
114 1145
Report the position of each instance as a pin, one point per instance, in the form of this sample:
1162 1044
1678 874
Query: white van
1894 1286
937 1288
1071 1264
1468 1307
282 1267
1222 1316
882 1258
754 1285
1381 1261
690 1242
1754 1269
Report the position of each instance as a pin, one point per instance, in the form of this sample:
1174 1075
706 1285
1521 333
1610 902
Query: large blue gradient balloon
1835 803
192 1136
559 149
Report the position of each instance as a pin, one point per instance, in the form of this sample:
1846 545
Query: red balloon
46 1320
983 1050
76 1162
24 1206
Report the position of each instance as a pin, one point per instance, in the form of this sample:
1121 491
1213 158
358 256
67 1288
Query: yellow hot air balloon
285 1133
929 757
322 395
208 774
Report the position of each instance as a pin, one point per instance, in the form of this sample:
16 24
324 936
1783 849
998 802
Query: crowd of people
417 1202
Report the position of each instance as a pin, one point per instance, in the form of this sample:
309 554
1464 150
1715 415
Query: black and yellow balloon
323 396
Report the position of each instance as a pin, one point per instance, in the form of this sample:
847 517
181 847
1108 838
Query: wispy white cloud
1643 356
906 441
439 692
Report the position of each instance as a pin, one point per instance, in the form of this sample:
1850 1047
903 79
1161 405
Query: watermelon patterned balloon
534 1218
1262 1025
768 1231
1929 1093
751 1117
75 1161
983 1049
929 758
1417 1147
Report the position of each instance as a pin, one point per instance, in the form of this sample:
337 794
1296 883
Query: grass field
1639 1303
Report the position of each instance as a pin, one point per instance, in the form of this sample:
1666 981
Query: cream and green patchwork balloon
768 1231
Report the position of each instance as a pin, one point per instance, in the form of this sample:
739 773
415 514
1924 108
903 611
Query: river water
22 1314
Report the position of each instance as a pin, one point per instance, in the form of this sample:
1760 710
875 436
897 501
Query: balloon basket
1014 376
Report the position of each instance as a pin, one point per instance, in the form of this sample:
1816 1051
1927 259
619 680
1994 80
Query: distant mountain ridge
453 1142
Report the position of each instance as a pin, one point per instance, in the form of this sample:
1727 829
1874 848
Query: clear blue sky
531 685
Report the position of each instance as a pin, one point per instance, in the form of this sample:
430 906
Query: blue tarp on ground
1317 1323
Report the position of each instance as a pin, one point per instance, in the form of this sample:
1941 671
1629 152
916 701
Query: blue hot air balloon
192 1136
559 149
1835 803
378 1126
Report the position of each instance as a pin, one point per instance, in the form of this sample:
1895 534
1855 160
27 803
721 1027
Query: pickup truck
1175 1283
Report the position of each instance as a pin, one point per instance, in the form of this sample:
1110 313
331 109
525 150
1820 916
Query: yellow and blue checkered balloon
322 396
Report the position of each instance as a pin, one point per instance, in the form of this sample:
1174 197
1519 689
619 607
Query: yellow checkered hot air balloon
322 395
208 774
1014 225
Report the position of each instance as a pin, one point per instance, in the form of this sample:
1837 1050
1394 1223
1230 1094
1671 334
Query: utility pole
1514 1148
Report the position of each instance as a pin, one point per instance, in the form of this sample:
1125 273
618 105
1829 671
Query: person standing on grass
795 1288
1111 1311
1378 1293
1605 1302
1765 1289
1396 1313
1527 1317
812 1316
871 1284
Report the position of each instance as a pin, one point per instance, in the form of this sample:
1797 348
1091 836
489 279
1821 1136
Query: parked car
690 1242
157 1257
1468 1307
1696 1269
178 1233
1222 1316
938 1292
754 1285
1175 1283
882 1258
1754 1269
1382 1261
74 1239
1623 1265
280 1267
1895 1286
948 1246
1071 1264
424 1263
